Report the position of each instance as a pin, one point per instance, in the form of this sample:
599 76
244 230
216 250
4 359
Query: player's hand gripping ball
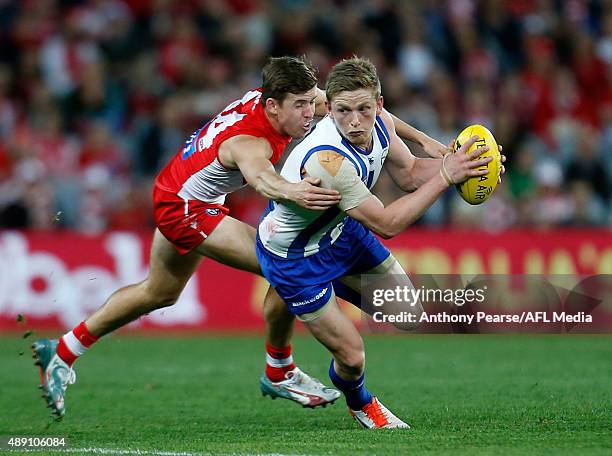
478 189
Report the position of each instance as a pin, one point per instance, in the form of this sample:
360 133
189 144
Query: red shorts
185 223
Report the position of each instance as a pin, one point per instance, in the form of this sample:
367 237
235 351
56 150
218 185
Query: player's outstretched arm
252 156
431 147
395 218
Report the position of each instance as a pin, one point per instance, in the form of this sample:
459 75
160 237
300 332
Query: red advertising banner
55 280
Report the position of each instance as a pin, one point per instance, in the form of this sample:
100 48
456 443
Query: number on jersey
217 125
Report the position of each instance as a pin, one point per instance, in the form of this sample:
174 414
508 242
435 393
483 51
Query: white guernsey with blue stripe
291 232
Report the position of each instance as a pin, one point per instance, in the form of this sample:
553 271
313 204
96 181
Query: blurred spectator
28 198
520 176
95 204
101 149
95 98
586 210
415 57
156 140
587 166
604 44
180 49
550 205
63 55
590 71
565 113
8 110
133 210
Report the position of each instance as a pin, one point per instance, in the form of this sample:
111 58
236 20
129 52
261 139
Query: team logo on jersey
189 147
212 211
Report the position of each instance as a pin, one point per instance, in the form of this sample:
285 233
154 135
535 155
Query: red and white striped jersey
196 172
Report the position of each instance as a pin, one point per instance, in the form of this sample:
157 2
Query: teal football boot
55 375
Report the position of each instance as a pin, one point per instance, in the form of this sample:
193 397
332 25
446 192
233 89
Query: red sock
74 343
278 362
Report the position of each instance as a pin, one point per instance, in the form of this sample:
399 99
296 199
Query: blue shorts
305 284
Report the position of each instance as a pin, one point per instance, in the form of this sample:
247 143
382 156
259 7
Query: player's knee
166 300
156 298
162 300
275 310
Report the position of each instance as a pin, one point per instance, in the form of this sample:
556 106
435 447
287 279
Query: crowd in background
97 95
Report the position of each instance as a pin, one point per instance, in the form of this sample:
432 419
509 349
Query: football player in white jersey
310 257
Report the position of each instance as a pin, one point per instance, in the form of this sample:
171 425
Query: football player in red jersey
238 147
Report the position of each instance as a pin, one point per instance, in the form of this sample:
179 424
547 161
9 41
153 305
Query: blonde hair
352 74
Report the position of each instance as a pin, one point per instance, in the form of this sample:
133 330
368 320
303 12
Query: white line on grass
136 452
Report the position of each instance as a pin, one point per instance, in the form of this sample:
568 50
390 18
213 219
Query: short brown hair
352 74
284 75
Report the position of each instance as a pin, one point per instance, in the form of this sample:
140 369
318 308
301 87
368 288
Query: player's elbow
259 184
401 219
387 222
409 186
262 186
388 229
382 230
386 233
407 183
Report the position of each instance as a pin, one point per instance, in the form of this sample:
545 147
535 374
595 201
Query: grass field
462 394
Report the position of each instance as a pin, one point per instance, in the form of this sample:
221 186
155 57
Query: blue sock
355 392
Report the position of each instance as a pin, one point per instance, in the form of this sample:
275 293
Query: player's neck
367 146
273 119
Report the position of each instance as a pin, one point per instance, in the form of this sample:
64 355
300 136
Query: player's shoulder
248 142
330 160
245 144
385 120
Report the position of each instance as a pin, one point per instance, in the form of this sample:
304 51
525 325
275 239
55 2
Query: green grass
467 395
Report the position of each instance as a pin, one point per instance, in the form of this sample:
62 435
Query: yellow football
478 189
